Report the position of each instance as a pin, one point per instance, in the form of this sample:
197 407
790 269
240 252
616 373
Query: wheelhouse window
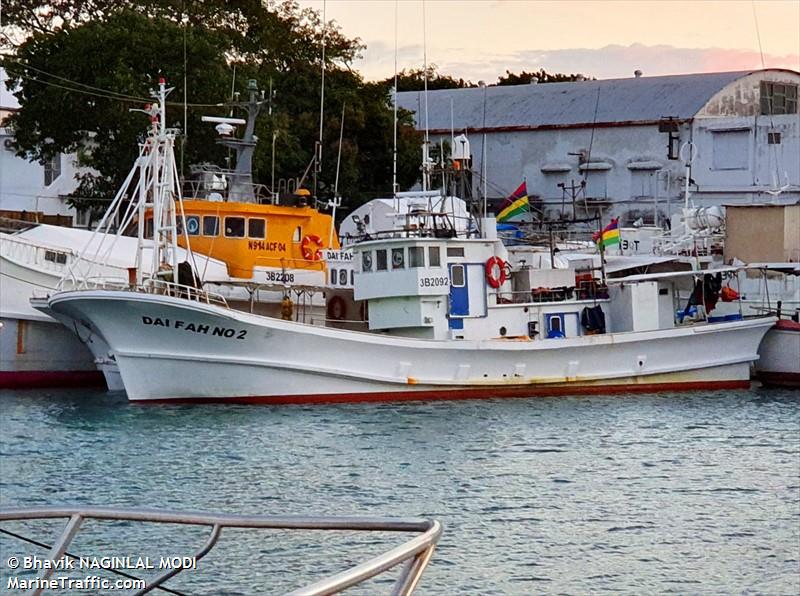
380 260
455 251
366 261
434 256
55 257
256 228
234 227
416 256
298 234
192 225
342 277
457 276
778 98
398 258
334 276
210 225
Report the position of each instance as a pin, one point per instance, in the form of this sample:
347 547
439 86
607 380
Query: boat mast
318 146
426 142
394 101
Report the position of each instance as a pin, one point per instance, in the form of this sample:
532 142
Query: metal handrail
415 553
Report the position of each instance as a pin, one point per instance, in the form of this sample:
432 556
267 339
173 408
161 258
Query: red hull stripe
29 379
453 394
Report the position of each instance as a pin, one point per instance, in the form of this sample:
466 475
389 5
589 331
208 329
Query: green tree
413 79
83 64
542 76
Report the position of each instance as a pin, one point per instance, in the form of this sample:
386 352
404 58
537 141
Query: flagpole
602 249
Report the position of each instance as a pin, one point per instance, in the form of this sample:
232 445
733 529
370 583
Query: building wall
732 158
22 183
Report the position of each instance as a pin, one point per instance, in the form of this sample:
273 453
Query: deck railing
414 554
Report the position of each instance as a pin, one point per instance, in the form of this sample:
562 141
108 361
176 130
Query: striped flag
609 235
515 204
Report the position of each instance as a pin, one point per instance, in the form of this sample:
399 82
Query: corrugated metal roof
568 104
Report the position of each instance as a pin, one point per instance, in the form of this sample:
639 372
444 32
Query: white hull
780 356
170 348
35 350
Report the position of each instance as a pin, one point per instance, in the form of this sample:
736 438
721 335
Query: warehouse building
623 147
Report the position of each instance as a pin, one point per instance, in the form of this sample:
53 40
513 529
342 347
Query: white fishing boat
449 317
226 219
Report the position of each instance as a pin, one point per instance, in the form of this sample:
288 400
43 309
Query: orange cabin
249 235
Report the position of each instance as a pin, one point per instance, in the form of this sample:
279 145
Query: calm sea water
688 494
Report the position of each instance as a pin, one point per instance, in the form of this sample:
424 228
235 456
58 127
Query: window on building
434 256
596 185
256 228
731 149
774 138
398 258
210 225
380 260
234 227
52 169
778 98
416 256
642 184
81 219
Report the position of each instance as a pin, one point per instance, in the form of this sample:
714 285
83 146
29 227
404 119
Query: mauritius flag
515 204
609 235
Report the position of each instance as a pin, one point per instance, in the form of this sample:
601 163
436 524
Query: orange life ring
496 272
311 247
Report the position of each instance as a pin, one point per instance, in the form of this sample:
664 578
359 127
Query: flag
515 204
609 235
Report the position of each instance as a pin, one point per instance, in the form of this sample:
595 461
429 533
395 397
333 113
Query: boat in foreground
414 554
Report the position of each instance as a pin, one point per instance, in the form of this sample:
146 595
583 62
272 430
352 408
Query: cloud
611 61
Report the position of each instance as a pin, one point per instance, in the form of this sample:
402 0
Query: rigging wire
777 189
93 91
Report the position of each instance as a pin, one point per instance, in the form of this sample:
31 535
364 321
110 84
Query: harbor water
695 493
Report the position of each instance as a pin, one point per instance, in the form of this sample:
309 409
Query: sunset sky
480 39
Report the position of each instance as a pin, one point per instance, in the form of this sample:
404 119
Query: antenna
425 84
394 145
483 156
318 148
336 198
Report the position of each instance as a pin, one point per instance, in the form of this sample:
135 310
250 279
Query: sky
481 39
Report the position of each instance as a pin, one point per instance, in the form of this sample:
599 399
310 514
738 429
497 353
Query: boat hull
779 364
43 354
169 348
